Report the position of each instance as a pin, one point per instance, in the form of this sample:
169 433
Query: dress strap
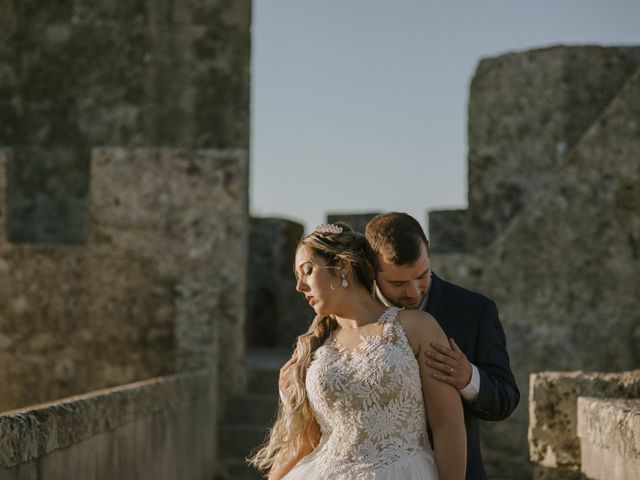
389 316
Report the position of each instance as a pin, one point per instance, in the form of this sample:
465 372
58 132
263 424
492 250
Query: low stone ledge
553 437
26 434
609 431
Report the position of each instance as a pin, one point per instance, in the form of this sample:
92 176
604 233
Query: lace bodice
368 402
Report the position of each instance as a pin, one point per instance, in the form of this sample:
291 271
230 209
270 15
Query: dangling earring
344 283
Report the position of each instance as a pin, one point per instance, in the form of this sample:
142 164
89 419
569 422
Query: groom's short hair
397 236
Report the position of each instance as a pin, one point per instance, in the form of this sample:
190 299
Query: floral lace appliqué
368 402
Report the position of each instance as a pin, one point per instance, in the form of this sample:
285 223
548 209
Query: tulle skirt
413 467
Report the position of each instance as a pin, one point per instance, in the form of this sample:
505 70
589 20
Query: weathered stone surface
448 231
609 431
358 221
162 428
527 110
566 272
159 286
189 59
553 416
276 312
185 212
166 74
48 198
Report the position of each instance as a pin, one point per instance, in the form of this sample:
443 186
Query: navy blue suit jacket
472 320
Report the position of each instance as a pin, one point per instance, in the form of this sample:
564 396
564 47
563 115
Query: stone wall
527 111
560 436
276 312
159 286
77 74
159 429
565 272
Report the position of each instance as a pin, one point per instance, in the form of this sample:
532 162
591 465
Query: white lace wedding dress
368 402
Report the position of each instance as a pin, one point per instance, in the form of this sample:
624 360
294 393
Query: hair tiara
328 228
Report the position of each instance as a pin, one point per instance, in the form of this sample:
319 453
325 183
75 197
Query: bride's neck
361 309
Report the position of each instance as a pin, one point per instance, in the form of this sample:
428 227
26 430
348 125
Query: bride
358 401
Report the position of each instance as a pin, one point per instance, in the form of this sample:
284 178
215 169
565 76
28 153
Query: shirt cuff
471 391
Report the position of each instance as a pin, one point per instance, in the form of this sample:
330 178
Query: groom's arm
487 386
498 395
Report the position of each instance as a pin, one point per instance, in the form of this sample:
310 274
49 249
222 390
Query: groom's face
405 285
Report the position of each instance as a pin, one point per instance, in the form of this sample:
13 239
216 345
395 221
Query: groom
475 362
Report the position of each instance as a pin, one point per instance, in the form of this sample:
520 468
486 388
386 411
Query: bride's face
316 280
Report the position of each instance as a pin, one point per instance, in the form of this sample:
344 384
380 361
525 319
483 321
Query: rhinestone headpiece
328 228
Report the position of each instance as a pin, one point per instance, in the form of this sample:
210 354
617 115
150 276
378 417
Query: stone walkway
247 416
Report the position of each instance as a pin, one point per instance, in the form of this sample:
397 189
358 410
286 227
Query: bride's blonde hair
294 411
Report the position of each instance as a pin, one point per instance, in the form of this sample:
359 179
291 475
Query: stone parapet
609 432
163 428
554 445
158 287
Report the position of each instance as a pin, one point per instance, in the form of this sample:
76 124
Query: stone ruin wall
555 215
123 262
158 288
276 312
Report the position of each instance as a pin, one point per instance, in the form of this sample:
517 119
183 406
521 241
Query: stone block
185 211
609 432
159 286
553 411
528 110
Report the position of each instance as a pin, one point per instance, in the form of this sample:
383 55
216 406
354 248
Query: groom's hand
450 363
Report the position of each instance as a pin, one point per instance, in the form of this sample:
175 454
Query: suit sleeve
499 395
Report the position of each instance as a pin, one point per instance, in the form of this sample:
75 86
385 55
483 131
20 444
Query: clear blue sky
360 105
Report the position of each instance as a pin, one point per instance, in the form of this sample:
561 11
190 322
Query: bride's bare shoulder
420 326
